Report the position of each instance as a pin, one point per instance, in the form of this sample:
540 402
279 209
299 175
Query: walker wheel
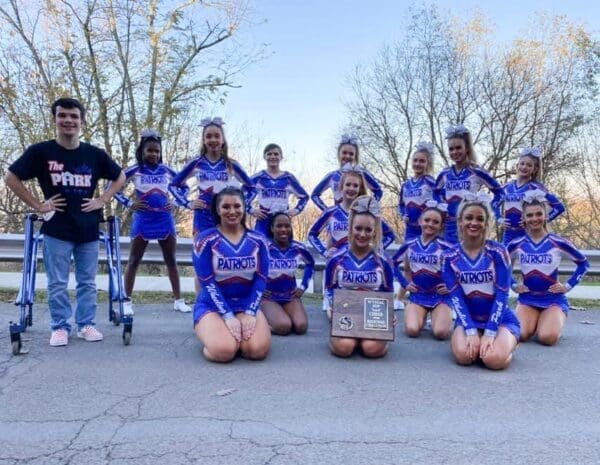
16 347
126 338
116 318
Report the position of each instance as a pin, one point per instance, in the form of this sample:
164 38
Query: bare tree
133 63
446 70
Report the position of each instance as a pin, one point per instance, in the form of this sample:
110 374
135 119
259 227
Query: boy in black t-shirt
68 171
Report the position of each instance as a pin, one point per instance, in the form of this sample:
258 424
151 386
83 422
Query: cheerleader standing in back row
347 154
335 218
214 170
362 267
282 304
542 306
417 191
477 274
528 173
274 187
232 265
423 276
152 217
462 177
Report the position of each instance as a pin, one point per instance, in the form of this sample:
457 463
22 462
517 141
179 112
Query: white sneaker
325 304
59 337
89 333
181 306
398 305
127 308
428 323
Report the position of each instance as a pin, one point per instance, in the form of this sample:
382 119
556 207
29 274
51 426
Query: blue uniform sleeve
178 188
439 191
397 260
499 207
503 278
319 189
309 265
557 208
185 189
260 280
495 187
457 298
204 271
120 196
388 235
247 185
578 258
315 231
373 185
388 275
300 194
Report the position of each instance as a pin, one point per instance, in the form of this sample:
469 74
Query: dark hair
443 216
272 223
68 102
341 144
272 146
535 203
139 151
224 149
230 190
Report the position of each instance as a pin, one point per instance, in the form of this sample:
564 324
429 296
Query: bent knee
301 328
256 351
461 357
281 328
548 338
344 348
412 330
497 362
223 351
441 333
374 349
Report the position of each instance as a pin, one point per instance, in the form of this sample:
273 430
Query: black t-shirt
74 175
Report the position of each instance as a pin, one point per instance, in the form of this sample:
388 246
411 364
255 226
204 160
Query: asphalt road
159 402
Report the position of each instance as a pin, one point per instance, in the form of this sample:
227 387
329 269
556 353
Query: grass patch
152 297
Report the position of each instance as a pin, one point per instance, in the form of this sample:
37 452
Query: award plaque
363 314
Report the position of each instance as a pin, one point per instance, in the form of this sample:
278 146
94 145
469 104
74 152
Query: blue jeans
57 260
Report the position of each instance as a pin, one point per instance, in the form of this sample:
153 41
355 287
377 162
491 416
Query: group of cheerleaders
246 279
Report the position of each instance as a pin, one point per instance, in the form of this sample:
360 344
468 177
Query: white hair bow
216 121
366 205
149 133
456 130
534 195
424 146
482 197
535 152
351 139
441 206
350 168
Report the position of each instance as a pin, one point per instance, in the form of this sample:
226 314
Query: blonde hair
362 190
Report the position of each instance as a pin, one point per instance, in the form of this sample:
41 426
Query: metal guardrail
11 250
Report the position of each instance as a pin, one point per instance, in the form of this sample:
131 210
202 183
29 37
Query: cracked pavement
159 402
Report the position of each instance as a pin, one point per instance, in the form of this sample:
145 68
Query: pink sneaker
89 333
59 337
